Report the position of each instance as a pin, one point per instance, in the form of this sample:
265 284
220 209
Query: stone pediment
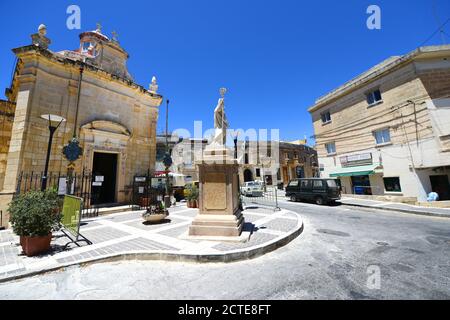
107 127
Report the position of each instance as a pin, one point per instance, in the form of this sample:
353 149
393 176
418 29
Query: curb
418 213
229 257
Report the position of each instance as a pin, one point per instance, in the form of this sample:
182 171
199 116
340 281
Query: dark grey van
321 191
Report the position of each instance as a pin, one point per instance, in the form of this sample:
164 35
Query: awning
356 171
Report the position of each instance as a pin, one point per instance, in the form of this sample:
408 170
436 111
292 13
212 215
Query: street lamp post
167 159
54 122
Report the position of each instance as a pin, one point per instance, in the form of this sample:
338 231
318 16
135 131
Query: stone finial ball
42 30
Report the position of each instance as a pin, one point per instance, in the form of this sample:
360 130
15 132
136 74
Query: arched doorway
248 175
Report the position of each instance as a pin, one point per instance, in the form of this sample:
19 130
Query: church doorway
104 178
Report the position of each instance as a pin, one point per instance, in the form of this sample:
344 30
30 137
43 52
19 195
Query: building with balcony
386 133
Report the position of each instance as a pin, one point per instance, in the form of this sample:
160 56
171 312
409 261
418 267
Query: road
343 253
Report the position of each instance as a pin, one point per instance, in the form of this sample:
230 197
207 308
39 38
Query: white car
252 189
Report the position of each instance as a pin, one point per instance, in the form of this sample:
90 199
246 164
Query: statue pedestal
219 215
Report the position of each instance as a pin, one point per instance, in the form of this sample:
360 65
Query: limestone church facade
113 118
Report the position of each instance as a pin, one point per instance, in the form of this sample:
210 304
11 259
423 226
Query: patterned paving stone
121 247
124 217
190 213
6 236
89 224
280 224
147 244
251 218
170 221
9 255
259 210
104 234
256 239
175 232
118 233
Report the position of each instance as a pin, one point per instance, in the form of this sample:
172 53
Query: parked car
253 189
321 191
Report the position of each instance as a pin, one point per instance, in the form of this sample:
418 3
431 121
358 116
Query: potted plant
192 195
156 213
34 216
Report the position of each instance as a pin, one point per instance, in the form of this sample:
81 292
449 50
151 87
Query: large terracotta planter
33 246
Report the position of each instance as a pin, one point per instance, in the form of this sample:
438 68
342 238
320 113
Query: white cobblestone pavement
125 235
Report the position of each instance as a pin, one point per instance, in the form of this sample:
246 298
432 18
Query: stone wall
353 121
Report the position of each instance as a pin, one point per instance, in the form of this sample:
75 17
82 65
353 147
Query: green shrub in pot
35 215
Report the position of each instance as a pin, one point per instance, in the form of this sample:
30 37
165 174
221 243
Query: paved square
127 234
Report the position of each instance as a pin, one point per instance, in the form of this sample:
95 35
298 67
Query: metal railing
145 195
80 186
268 197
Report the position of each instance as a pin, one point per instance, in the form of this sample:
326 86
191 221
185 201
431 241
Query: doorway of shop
361 185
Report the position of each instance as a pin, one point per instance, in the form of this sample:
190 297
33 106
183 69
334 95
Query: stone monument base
217 225
219 201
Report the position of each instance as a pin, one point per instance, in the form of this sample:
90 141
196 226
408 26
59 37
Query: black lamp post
54 122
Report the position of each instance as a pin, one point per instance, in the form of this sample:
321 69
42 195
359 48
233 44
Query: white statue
220 120
153 86
42 30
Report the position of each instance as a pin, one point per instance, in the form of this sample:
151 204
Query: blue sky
275 57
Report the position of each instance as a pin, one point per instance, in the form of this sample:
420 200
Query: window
89 47
318 184
258 173
331 148
295 155
332 183
392 184
305 184
382 136
326 117
374 97
293 183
